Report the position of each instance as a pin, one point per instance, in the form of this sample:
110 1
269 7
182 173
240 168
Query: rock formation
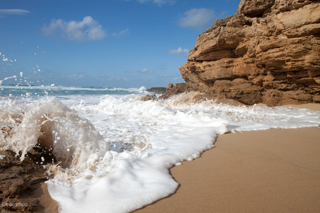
268 52
157 90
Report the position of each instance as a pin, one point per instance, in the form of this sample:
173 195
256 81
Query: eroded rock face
268 52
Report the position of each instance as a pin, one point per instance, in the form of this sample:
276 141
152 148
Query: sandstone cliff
268 52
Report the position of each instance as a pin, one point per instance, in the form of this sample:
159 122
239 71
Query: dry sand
259 171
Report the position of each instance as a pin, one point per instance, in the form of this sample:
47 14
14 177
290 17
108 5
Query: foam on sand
114 152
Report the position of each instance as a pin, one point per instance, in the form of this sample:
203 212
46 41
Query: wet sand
22 185
46 202
275 170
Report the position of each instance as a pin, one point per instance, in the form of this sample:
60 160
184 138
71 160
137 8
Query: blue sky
117 43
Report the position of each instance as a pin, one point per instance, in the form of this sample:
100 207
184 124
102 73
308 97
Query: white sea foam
115 151
73 139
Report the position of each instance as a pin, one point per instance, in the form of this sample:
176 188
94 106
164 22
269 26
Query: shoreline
276 170
254 171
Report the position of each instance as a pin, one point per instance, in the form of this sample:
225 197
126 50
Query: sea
113 151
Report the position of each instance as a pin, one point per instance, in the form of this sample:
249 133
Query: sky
103 43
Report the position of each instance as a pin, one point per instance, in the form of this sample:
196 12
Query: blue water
38 91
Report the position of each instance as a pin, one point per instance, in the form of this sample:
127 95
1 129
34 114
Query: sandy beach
275 170
160 106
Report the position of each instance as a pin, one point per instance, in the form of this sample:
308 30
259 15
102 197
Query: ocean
112 151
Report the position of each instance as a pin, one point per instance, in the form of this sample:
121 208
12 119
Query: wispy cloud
85 30
173 78
77 76
157 2
14 12
137 73
121 33
178 51
197 18
145 71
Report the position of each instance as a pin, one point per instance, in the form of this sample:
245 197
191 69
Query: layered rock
268 52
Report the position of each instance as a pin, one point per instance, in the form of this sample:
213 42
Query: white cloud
197 18
145 70
175 77
179 51
87 29
157 2
76 76
162 2
136 73
13 12
121 33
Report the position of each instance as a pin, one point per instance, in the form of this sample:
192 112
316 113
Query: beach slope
275 170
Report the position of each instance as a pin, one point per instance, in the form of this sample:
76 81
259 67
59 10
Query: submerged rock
268 52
